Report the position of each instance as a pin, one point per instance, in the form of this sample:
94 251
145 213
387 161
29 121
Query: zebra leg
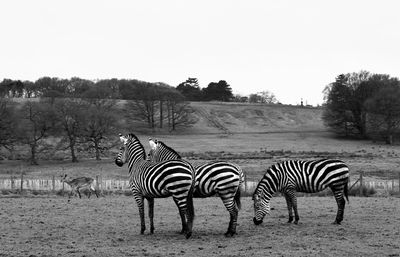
151 214
296 214
183 219
291 195
140 203
289 207
341 203
233 210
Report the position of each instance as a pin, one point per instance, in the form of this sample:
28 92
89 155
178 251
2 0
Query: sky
293 49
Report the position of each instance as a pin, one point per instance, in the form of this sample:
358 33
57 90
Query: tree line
221 91
84 113
363 105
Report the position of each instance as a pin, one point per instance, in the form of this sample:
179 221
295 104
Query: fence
22 183
52 184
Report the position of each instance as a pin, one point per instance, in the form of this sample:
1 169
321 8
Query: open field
253 152
109 226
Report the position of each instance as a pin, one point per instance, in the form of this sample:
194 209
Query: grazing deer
78 183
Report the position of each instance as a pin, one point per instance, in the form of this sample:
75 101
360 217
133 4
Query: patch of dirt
110 227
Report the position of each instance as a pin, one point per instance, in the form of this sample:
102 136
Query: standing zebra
212 178
155 180
303 176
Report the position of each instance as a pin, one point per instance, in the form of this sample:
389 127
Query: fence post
361 183
53 181
22 182
399 182
97 182
12 182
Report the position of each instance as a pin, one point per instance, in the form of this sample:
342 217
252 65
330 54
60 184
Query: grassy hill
217 117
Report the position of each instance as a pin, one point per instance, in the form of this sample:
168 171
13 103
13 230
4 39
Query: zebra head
261 207
132 150
153 147
121 157
161 152
153 143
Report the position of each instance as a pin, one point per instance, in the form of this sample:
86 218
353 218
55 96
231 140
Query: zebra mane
169 149
134 137
269 171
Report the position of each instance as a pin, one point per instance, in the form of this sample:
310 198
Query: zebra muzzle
257 222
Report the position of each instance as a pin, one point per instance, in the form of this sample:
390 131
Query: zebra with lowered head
218 177
302 176
156 180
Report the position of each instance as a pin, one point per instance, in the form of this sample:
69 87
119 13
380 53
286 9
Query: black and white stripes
154 180
302 176
218 177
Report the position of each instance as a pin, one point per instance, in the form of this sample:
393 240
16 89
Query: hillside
223 117
217 117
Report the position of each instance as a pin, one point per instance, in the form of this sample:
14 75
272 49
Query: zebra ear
153 144
122 138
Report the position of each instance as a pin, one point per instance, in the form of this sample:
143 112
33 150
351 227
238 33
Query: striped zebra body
303 176
218 177
156 180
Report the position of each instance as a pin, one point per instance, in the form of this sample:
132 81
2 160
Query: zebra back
205 173
304 176
161 152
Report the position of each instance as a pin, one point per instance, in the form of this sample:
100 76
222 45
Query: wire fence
22 182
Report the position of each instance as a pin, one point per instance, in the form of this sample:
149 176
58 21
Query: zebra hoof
336 222
188 235
230 233
257 222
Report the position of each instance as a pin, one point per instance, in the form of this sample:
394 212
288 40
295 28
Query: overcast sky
291 48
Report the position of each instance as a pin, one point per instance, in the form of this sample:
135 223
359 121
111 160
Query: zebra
157 180
302 176
218 177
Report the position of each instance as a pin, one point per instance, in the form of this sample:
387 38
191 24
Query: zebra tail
346 191
237 199
190 207
242 180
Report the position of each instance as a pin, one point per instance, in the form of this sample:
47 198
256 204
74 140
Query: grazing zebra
212 178
302 176
155 180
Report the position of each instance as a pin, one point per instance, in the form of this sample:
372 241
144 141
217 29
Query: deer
78 183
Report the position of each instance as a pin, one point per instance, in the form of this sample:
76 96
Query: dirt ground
109 226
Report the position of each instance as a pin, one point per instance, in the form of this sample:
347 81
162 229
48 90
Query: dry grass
44 226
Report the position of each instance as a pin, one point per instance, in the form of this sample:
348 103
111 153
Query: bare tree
100 119
34 124
384 112
143 104
7 124
70 114
179 115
